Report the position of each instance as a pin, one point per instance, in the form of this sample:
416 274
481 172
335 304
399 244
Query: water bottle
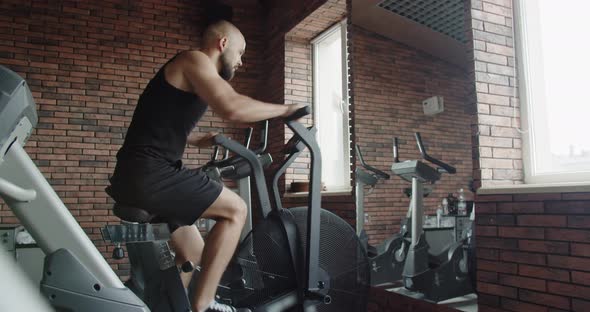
445 206
462 204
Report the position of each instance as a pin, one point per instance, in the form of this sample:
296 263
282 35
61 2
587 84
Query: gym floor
467 303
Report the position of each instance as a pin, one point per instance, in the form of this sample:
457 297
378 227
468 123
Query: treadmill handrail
12 192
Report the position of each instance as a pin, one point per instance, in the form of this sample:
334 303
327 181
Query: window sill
536 188
324 194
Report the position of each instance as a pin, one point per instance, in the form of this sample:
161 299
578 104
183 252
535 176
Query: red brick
487 300
495 266
581 236
486 231
488 254
543 246
569 290
494 198
578 222
569 207
485 208
521 232
576 263
581 278
490 277
513 305
544 299
500 243
580 305
497 290
535 220
544 272
576 196
522 282
582 250
496 219
484 308
523 257
537 197
520 207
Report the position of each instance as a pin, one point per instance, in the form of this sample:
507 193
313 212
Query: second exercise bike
386 259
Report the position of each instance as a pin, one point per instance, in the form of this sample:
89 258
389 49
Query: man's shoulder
192 57
193 61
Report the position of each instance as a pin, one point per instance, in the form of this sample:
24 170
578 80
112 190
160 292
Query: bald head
219 30
225 40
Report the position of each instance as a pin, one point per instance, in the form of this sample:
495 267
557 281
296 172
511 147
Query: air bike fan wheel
267 270
342 258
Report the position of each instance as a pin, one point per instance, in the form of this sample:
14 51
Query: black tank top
161 123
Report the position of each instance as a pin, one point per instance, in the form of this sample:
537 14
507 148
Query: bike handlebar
448 168
302 112
376 171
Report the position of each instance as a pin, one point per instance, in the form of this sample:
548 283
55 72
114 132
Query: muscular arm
222 98
201 140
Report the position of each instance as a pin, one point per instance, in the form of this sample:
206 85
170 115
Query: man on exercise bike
149 172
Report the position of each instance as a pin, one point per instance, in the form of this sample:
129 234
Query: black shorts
177 195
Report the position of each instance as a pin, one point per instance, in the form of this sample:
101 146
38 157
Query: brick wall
533 252
497 142
532 249
390 81
86 63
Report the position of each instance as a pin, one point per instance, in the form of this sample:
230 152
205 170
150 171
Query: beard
227 70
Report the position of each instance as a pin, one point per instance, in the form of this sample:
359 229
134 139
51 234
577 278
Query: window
330 101
553 65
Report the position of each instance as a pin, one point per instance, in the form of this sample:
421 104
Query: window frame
342 26
532 120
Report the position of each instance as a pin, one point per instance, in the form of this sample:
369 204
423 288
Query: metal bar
256 167
48 220
293 154
314 204
417 210
244 192
15 193
360 207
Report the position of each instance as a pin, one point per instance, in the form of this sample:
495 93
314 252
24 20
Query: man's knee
228 206
240 211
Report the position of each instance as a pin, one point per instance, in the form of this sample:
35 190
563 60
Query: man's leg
188 245
229 211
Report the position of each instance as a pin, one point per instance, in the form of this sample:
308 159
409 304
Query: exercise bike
387 259
433 277
76 277
296 259
147 243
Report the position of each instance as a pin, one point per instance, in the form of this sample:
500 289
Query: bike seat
132 214
372 251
